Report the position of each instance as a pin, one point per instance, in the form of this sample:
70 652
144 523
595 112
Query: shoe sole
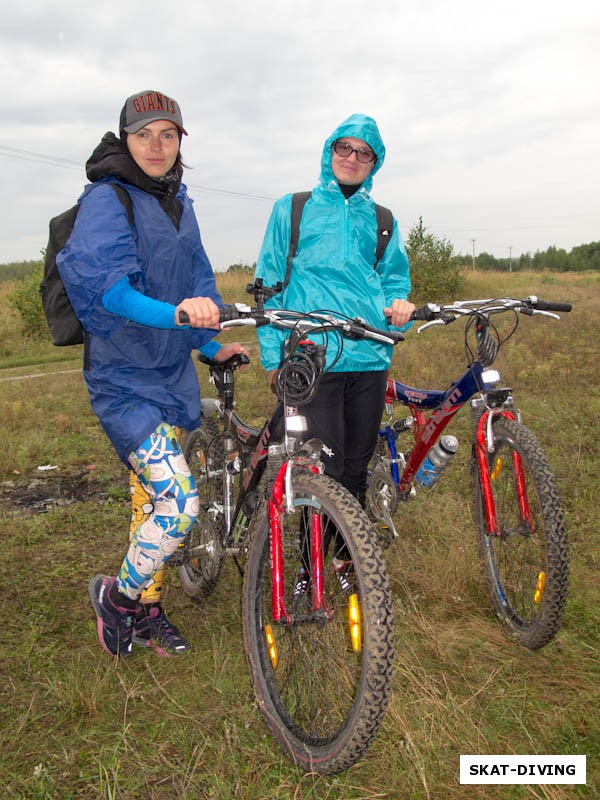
140 641
148 644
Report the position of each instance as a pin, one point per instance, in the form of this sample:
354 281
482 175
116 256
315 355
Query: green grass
78 725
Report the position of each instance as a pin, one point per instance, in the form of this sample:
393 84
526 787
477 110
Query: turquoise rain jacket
137 376
333 268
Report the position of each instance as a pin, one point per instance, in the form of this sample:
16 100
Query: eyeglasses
344 149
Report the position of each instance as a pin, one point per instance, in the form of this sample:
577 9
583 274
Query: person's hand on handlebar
201 311
399 312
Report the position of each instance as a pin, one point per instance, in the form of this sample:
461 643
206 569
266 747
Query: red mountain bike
317 607
520 526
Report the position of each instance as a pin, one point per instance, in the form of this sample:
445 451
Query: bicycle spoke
327 693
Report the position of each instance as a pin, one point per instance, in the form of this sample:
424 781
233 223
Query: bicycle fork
283 486
484 445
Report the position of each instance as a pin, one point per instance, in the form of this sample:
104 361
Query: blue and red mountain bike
520 526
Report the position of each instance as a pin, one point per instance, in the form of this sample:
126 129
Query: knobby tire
202 553
323 702
527 565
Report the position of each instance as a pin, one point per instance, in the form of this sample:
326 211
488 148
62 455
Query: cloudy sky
490 112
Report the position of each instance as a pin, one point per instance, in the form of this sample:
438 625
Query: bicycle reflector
539 588
271 646
355 624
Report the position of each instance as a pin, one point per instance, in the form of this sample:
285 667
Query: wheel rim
517 555
319 660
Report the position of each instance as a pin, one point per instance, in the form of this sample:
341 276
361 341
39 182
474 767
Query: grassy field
76 724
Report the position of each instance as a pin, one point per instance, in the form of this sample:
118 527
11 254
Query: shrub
26 301
434 273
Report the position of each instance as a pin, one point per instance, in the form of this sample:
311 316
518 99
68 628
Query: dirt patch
39 493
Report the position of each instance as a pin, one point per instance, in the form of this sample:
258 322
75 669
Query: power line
55 161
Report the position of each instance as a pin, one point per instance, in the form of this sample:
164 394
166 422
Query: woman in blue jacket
127 282
334 269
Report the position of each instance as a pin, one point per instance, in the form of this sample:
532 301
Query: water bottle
436 460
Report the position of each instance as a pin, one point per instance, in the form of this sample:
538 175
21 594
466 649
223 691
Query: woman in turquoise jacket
334 269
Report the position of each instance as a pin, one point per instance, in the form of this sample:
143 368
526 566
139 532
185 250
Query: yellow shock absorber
355 623
539 587
496 469
271 645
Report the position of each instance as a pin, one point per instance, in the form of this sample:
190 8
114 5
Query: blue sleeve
210 349
125 301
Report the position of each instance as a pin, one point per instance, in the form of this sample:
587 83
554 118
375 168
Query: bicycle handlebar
239 314
444 314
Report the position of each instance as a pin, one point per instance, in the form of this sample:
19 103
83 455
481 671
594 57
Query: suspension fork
275 511
481 451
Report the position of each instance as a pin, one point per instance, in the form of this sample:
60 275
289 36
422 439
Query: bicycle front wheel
526 561
322 681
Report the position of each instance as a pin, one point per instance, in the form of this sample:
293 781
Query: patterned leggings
164 508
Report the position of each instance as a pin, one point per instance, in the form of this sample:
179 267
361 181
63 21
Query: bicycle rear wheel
202 552
526 564
323 681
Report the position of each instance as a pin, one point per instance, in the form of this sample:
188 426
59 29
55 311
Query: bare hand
400 312
272 379
202 312
230 349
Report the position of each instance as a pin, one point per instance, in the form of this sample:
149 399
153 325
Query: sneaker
115 624
152 629
302 584
344 573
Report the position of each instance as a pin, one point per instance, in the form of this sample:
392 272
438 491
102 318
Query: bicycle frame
257 443
443 405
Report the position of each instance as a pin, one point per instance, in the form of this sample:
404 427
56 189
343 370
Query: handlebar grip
227 312
543 305
395 335
425 313
358 327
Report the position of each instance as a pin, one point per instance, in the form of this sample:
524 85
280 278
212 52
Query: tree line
579 259
435 269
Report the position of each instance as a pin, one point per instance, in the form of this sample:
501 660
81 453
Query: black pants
345 415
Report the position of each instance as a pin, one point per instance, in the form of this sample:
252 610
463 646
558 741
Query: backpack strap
298 202
385 227
125 199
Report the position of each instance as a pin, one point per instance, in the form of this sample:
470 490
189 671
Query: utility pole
510 258
473 240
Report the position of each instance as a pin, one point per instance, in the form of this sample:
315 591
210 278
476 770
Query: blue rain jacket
136 376
333 268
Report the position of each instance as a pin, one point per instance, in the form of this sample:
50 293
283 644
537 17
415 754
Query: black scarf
111 157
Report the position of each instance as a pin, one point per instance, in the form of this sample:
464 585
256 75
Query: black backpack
385 225
64 325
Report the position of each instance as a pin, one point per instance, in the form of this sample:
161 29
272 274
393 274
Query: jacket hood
358 126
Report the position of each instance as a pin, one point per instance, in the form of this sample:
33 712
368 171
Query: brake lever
443 319
531 311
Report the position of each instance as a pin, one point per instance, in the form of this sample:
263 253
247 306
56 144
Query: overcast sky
490 112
